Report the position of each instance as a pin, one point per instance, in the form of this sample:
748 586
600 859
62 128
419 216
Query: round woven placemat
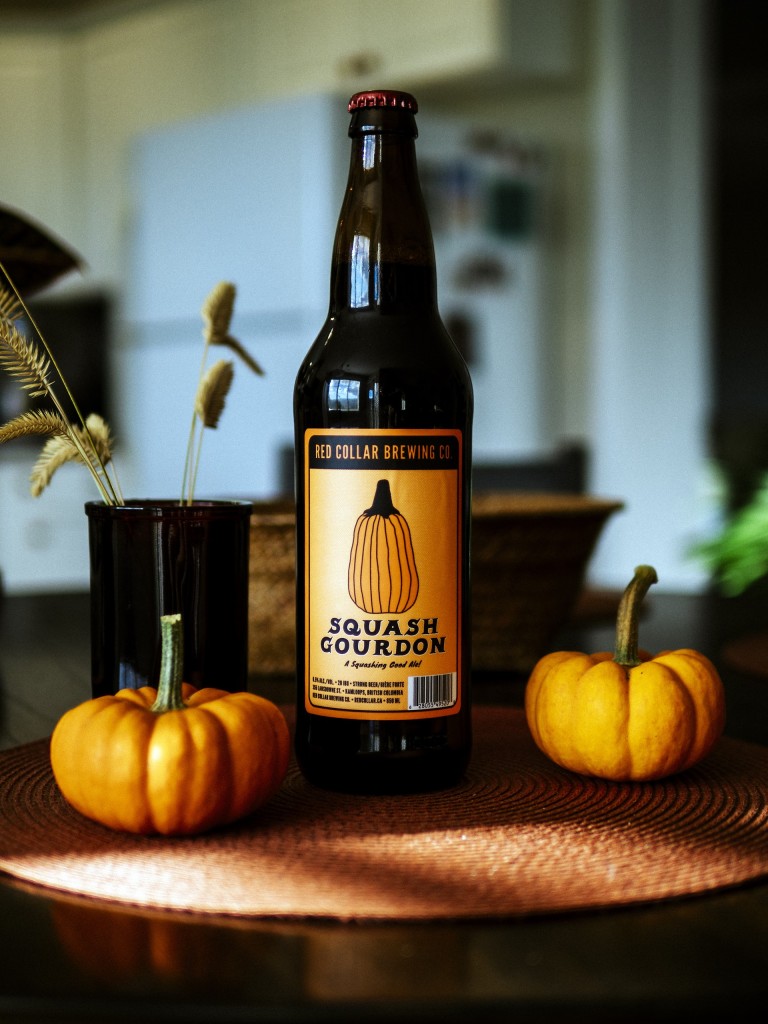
518 836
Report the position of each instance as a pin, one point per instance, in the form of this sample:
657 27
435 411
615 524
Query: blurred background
595 172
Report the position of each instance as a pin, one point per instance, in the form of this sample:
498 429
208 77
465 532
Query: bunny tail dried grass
22 359
36 422
217 312
212 392
214 384
247 358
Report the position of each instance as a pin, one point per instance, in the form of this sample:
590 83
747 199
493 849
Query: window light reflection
369 151
343 395
358 271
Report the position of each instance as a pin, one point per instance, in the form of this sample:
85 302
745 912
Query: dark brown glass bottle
383 415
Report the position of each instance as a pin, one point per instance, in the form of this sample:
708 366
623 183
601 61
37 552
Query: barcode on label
438 691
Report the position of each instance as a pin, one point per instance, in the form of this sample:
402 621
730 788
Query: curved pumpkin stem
171 665
382 501
628 616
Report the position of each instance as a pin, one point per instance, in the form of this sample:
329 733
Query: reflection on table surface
69 959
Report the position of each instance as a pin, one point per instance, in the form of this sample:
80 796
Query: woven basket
530 554
272 589
529 558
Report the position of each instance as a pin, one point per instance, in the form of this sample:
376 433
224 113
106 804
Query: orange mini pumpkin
172 760
626 715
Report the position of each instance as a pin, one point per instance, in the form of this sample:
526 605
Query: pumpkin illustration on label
382 566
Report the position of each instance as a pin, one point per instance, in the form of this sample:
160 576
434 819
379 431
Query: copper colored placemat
518 836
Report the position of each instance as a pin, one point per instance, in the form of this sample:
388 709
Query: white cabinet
74 101
340 43
438 42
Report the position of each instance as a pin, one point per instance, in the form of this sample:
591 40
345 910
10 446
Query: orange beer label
383 535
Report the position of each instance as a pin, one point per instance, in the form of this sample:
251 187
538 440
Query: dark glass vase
151 558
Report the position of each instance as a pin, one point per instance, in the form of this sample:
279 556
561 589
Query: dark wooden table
701 958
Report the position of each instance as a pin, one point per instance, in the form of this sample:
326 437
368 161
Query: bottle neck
383 256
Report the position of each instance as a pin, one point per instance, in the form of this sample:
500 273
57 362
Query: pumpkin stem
628 616
382 501
171 665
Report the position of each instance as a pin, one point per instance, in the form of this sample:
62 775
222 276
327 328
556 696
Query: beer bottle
383 416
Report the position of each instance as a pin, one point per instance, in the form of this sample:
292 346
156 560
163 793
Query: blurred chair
563 472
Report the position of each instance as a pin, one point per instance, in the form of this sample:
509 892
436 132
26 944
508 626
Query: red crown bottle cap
383 98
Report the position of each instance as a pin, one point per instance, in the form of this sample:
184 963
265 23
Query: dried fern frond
35 368
10 307
96 441
98 436
212 392
56 451
22 359
217 312
36 422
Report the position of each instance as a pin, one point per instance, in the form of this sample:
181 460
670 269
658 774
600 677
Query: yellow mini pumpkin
626 715
382 574
172 760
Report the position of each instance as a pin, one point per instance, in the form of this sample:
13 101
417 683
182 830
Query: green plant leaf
738 555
